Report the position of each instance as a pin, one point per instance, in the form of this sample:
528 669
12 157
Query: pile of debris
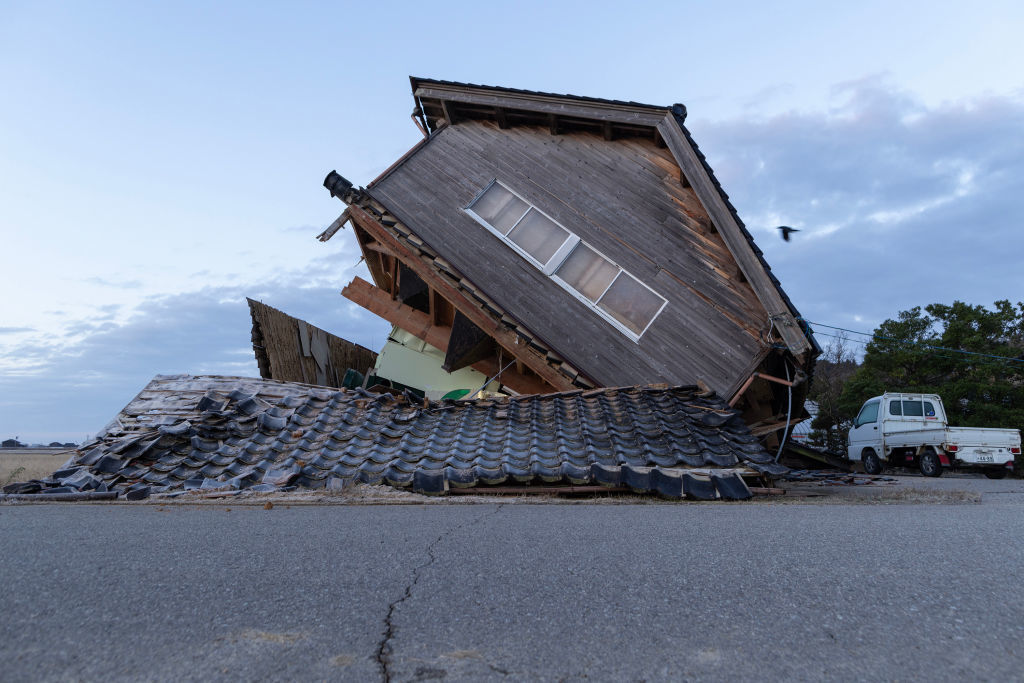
226 433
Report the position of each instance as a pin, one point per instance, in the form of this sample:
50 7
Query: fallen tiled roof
183 432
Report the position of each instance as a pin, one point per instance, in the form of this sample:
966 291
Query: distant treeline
14 443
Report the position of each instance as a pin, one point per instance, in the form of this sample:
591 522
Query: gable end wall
624 198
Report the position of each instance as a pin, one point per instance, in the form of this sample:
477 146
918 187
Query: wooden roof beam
380 249
449 115
374 259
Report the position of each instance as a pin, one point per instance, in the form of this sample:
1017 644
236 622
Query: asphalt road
536 592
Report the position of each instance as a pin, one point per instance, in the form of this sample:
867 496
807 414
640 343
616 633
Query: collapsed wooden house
557 242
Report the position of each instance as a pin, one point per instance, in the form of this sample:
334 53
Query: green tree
831 425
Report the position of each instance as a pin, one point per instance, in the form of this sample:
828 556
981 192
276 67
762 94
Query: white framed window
620 298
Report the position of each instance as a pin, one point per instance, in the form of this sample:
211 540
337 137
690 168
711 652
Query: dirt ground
22 464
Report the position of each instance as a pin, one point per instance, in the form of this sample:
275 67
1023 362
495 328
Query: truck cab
911 430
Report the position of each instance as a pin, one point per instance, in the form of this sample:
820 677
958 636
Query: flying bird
786 230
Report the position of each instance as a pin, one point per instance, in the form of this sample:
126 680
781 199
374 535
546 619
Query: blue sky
158 163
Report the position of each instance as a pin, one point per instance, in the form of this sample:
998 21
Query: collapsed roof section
585 242
183 432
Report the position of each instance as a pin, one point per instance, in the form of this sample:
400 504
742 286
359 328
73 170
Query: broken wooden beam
334 227
766 491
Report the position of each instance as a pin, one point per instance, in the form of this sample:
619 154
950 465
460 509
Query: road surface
539 592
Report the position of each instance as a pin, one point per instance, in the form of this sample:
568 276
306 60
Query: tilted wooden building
569 242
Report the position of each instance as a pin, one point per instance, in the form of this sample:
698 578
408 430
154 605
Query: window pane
630 302
588 273
868 414
894 408
499 207
538 236
913 409
929 409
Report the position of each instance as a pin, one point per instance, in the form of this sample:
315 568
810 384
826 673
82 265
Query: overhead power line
930 347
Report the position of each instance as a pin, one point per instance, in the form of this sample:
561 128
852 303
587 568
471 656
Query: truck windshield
868 414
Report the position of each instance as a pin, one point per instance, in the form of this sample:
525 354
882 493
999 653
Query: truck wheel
930 464
996 473
872 465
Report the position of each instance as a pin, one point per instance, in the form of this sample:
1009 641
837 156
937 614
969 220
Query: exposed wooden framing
750 380
502 119
408 318
742 390
553 124
380 249
762 429
448 115
394 278
334 227
727 227
606 129
419 324
504 337
435 308
740 385
777 380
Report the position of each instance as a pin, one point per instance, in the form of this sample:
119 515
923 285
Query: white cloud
899 204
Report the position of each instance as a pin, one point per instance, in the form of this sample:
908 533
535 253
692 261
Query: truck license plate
985 458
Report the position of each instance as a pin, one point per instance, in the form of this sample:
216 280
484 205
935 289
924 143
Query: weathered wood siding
624 198
292 350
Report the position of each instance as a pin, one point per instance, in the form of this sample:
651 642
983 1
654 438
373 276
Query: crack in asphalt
384 650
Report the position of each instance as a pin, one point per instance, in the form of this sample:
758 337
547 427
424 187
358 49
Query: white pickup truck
910 430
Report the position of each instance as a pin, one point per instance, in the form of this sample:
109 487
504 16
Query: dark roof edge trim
418 83
557 105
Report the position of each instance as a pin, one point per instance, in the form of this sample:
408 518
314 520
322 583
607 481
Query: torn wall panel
291 350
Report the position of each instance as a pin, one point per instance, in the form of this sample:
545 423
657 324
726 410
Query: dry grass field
22 464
